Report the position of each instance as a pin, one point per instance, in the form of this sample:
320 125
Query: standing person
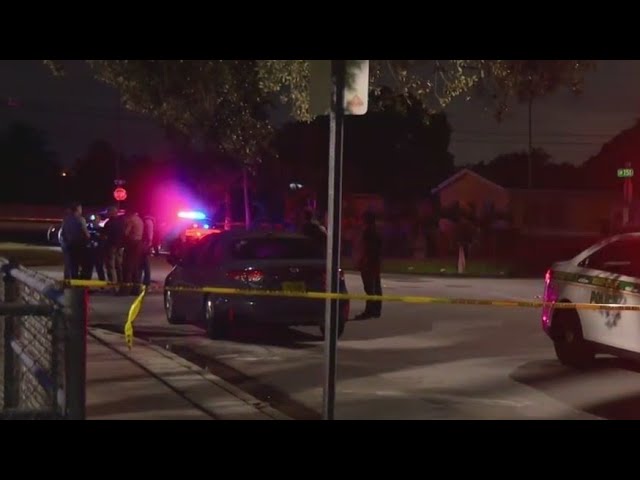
313 229
113 241
148 236
369 264
74 241
132 258
95 250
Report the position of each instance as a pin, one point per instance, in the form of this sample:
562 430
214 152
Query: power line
537 134
516 142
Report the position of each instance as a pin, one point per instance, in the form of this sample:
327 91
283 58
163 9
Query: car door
611 276
200 275
182 278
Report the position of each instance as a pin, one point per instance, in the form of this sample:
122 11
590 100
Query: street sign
120 194
625 172
356 88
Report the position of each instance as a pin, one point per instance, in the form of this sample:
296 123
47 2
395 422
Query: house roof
465 171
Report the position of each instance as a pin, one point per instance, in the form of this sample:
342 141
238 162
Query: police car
606 273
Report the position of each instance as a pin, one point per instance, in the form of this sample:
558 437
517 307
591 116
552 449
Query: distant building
535 210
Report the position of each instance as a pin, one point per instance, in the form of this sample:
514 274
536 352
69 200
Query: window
621 257
211 253
275 248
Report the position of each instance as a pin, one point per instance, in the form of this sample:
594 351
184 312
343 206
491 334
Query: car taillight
546 297
246 276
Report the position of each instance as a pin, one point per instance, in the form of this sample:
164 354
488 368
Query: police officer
369 264
313 229
148 236
75 236
113 241
133 249
95 250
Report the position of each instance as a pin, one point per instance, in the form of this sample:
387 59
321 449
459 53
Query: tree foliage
227 101
509 170
397 136
31 171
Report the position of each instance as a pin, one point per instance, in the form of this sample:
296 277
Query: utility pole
336 133
118 140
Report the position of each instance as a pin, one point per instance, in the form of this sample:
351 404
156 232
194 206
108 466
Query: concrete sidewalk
149 383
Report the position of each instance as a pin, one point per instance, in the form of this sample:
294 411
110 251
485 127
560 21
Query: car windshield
275 249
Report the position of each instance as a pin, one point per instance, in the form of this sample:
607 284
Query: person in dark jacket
313 229
74 238
369 264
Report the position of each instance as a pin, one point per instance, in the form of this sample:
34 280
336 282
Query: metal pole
76 307
338 72
530 165
245 192
119 140
11 372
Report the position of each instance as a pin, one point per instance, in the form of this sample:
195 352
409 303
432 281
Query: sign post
336 131
339 88
627 190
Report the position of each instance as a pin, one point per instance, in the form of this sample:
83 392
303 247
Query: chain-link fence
43 349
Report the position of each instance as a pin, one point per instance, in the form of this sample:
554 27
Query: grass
31 256
439 266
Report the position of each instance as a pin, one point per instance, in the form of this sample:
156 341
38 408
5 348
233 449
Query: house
533 210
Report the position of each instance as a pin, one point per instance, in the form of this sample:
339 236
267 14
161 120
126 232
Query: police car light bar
192 215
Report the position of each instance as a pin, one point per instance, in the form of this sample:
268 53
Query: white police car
606 273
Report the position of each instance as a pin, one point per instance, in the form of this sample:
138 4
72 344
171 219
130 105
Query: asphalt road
415 362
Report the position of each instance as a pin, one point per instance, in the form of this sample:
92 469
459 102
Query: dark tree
600 171
94 174
30 169
510 170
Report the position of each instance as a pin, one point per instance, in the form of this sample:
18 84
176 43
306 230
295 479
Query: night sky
75 110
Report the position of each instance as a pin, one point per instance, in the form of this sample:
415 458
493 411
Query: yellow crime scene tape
415 299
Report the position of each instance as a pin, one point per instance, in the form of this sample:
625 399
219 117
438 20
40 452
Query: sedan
272 261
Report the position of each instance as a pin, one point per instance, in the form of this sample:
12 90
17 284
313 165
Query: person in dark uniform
313 229
95 250
369 265
74 237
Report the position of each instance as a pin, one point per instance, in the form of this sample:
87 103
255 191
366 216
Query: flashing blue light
192 215
206 225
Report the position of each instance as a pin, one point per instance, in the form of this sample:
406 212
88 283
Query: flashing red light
246 276
120 194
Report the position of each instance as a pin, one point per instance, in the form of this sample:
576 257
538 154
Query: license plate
294 287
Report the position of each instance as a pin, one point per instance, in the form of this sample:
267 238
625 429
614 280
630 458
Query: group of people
368 257
118 250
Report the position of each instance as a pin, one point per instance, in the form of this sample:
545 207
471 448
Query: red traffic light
120 194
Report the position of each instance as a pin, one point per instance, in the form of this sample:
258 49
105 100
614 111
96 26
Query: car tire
169 309
215 322
571 348
342 322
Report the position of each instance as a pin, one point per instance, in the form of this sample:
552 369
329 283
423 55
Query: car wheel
570 346
169 307
342 322
214 321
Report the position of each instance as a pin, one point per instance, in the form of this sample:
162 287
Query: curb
116 342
